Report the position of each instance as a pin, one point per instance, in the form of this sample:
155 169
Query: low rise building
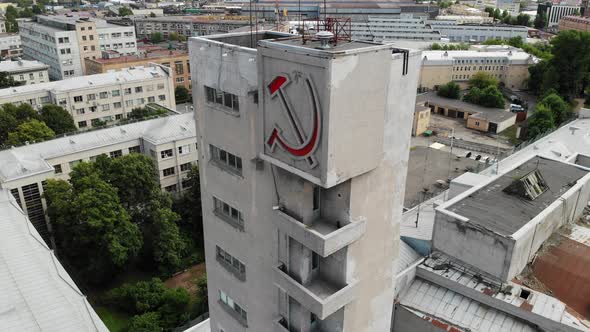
102 97
421 120
64 41
466 19
403 28
177 61
489 120
29 72
574 23
10 45
187 26
37 292
474 33
509 66
170 141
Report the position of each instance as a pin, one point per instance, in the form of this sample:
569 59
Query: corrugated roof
439 303
37 294
30 159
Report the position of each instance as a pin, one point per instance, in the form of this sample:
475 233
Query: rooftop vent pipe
324 37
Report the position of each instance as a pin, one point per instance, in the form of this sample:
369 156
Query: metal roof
435 303
37 292
503 213
31 159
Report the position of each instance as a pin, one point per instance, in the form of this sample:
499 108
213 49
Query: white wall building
101 97
63 42
169 140
30 72
474 33
10 45
556 12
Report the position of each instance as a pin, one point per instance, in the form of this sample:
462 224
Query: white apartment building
102 97
10 45
63 42
300 216
556 12
29 72
169 140
408 28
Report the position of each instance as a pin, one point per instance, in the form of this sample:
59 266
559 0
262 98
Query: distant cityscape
295 166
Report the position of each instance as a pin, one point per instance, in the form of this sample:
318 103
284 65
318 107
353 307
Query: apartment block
509 66
301 217
187 26
29 72
10 45
170 141
64 41
177 61
555 11
99 98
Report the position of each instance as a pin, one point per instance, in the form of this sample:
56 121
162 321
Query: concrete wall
406 321
421 122
478 124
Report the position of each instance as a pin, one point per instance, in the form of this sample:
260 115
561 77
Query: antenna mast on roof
250 10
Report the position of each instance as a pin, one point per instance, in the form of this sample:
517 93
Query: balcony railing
320 296
322 236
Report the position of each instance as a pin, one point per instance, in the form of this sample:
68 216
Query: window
117 104
226 160
104 95
31 76
116 153
185 167
115 93
184 149
180 80
170 189
315 260
128 103
186 183
222 98
240 313
92 109
105 107
151 99
78 99
168 171
138 89
57 169
83 37
140 101
228 213
118 116
135 149
160 86
231 263
162 97
62 102
91 96
127 91
73 163
82 124
80 111
179 69
166 153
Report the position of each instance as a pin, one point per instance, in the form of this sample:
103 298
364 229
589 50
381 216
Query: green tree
174 310
560 110
435 47
30 131
189 206
11 14
541 121
516 42
536 73
449 90
148 322
156 37
58 119
140 113
89 219
181 94
540 21
482 80
125 11
523 19
173 36
7 81
168 245
492 97
494 41
152 14
571 61
202 294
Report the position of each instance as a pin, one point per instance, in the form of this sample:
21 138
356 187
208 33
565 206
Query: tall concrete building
65 41
303 158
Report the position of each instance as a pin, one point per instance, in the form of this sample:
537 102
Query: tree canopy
482 80
30 131
58 119
156 37
541 121
7 81
181 94
125 11
449 90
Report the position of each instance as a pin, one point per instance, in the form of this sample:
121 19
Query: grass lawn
115 321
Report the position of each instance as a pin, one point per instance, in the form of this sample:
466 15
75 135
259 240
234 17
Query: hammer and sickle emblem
306 143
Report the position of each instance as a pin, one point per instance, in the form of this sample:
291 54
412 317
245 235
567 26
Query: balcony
319 296
322 236
281 325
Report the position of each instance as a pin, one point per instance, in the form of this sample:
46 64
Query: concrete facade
421 120
102 97
177 61
29 72
314 232
188 26
64 42
10 45
169 141
510 67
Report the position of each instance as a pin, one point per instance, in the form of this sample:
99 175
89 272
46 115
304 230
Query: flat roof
152 54
37 292
31 159
495 117
492 114
503 213
21 65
